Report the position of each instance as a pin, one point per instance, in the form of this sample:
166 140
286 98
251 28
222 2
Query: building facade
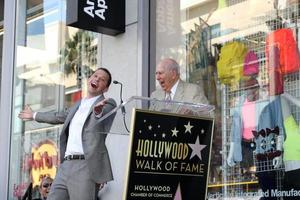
244 53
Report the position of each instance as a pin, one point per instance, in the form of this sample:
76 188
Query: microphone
121 94
117 82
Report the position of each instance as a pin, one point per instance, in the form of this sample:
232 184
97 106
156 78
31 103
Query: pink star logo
178 193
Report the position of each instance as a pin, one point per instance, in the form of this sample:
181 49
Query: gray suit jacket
93 141
185 92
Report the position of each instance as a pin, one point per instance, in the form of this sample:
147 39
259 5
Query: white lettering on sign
93 9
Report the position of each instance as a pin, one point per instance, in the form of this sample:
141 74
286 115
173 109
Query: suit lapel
162 95
70 115
74 108
179 92
72 112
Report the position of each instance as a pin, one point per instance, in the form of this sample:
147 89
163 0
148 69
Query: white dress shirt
173 90
74 145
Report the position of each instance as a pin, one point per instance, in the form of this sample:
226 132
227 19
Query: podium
123 112
159 150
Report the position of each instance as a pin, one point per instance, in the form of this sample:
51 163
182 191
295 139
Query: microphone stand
122 107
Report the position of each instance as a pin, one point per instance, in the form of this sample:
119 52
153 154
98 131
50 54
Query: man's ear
174 74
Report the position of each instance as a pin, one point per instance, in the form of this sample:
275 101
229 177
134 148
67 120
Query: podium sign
168 157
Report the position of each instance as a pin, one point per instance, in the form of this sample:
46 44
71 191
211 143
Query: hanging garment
274 70
289 59
271 116
291 144
265 141
251 65
231 61
249 119
270 126
237 134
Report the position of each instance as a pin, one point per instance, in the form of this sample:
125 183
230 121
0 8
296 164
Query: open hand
99 106
26 114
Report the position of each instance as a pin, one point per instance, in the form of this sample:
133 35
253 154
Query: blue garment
237 126
270 117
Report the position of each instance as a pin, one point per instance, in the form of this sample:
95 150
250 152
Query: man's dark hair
108 73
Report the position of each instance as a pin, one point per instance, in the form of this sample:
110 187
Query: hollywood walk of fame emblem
169 156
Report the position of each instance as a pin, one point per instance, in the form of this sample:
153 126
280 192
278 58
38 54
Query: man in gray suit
85 164
172 87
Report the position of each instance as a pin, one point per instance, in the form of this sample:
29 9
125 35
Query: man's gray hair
171 64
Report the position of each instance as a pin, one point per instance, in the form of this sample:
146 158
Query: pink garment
251 64
248 117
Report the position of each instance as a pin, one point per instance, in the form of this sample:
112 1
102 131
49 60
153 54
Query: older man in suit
172 87
85 164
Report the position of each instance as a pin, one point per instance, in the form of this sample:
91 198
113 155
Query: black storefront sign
169 157
102 16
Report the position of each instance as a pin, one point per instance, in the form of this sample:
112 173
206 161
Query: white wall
120 55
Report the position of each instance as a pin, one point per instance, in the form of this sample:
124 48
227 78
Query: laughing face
166 77
98 83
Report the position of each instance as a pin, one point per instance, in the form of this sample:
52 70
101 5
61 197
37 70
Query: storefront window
52 63
245 55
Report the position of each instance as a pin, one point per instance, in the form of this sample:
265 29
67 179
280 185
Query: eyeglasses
46 185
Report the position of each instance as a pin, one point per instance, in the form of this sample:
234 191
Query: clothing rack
288 18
